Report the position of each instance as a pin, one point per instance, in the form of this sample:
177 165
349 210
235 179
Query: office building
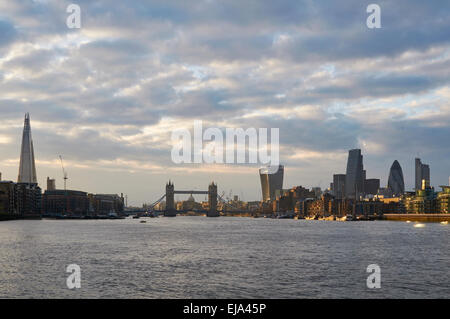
396 183
384 192
271 180
51 184
338 189
422 173
20 199
24 197
443 201
65 202
371 186
8 198
423 201
27 168
105 204
317 192
354 177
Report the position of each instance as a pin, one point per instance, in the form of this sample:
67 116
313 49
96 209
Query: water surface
199 257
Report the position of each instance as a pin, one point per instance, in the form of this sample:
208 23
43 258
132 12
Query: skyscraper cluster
24 197
354 184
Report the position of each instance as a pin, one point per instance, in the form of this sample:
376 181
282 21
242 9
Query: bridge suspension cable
152 206
223 201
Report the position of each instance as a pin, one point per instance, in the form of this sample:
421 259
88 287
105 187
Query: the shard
27 168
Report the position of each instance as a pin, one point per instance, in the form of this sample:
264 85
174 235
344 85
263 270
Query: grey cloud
138 65
8 34
35 61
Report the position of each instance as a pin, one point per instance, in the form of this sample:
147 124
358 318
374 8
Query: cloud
109 94
8 34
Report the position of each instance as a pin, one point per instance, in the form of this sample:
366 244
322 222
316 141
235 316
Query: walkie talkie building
271 180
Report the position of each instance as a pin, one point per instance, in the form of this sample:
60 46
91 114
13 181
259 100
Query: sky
107 96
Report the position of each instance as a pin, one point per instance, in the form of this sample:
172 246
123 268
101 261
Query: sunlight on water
226 257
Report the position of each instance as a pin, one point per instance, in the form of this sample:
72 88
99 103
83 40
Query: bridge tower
212 200
170 200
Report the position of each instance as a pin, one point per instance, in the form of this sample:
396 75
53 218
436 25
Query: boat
444 222
283 215
143 221
136 217
349 218
115 216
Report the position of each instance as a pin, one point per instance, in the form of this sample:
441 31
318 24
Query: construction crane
64 172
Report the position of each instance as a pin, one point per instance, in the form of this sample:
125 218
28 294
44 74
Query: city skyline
356 175
107 96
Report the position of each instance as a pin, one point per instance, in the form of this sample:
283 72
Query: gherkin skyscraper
27 168
396 182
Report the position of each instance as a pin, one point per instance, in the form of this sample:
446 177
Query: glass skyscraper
339 185
27 168
396 183
271 180
354 177
422 173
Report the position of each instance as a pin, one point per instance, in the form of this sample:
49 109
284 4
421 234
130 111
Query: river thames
226 257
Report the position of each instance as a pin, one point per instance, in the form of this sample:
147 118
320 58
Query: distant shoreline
6 217
426 218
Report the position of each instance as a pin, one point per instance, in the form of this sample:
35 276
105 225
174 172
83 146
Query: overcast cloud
108 95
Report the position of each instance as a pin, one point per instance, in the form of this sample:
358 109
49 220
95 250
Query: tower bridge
171 211
213 199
